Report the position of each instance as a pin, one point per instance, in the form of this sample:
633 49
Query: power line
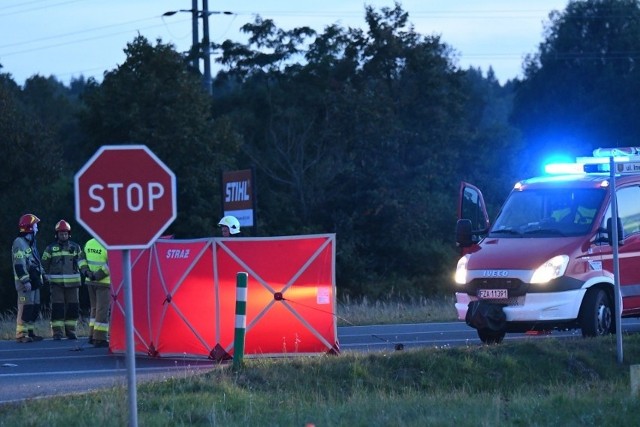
287 13
64 35
413 14
35 8
84 40
416 18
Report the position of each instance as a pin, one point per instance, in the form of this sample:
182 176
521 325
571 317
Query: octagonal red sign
125 196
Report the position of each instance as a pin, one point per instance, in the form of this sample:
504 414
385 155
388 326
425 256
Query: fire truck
547 261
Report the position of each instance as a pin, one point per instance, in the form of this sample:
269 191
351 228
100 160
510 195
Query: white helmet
231 222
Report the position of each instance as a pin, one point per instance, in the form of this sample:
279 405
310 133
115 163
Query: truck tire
488 336
596 314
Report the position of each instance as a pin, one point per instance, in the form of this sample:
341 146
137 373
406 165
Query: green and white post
241 319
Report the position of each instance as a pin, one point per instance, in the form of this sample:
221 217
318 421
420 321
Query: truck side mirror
463 233
610 232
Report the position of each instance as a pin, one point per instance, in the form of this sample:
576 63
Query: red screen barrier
184 296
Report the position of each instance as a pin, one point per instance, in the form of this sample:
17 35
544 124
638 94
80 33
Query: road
47 368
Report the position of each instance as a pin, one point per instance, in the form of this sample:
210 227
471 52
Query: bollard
241 319
634 371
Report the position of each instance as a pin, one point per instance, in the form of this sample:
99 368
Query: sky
73 38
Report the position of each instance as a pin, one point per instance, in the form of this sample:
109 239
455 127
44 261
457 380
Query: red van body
547 262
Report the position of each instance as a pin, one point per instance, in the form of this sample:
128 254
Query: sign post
616 262
125 196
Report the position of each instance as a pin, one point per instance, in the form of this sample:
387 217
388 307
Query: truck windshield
549 212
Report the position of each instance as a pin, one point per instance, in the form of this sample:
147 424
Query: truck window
549 212
628 209
473 209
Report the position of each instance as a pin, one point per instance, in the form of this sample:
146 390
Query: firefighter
27 273
99 283
63 261
229 225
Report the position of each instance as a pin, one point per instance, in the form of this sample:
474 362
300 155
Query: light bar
616 151
595 160
597 167
563 168
626 159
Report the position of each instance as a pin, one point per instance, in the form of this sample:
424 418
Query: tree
579 91
362 139
494 162
31 161
365 133
280 109
58 107
153 99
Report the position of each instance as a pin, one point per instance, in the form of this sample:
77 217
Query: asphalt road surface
48 368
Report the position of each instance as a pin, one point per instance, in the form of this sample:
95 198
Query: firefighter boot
33 336
57 332
70 329
100 343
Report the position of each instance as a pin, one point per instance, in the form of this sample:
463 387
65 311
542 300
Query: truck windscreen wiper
553 231
507 231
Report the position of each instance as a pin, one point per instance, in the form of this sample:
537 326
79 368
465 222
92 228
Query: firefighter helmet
63 225
27 222
231 222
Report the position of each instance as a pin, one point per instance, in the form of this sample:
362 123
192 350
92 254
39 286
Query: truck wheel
488 336
596 317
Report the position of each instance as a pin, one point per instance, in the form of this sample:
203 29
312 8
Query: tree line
363 133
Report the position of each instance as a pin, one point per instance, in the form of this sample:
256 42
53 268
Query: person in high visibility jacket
27 273
63 261
99 284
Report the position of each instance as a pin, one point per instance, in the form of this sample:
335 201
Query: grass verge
549 382
416 310
43 326
349 312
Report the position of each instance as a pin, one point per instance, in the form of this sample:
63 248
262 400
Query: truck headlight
555 267
461 270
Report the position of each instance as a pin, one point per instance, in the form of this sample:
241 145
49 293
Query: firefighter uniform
99 284
27 273
63 261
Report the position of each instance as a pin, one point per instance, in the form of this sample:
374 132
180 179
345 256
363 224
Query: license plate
493 294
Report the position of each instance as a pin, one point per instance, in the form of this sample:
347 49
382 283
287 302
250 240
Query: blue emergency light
563 168
599 163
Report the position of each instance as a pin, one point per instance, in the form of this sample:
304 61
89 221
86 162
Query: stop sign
125 196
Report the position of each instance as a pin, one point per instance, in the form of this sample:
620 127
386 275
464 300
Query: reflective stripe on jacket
25 260
98 262
61 263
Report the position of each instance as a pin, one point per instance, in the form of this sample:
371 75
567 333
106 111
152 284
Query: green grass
361 312
534 382
537 382
417 310
43 326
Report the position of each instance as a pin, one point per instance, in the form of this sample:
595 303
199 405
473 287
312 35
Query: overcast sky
69 38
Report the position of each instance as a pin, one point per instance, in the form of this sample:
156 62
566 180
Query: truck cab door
473 220
629 249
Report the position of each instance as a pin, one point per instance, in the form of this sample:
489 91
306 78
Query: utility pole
195 52
200 49
206 44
